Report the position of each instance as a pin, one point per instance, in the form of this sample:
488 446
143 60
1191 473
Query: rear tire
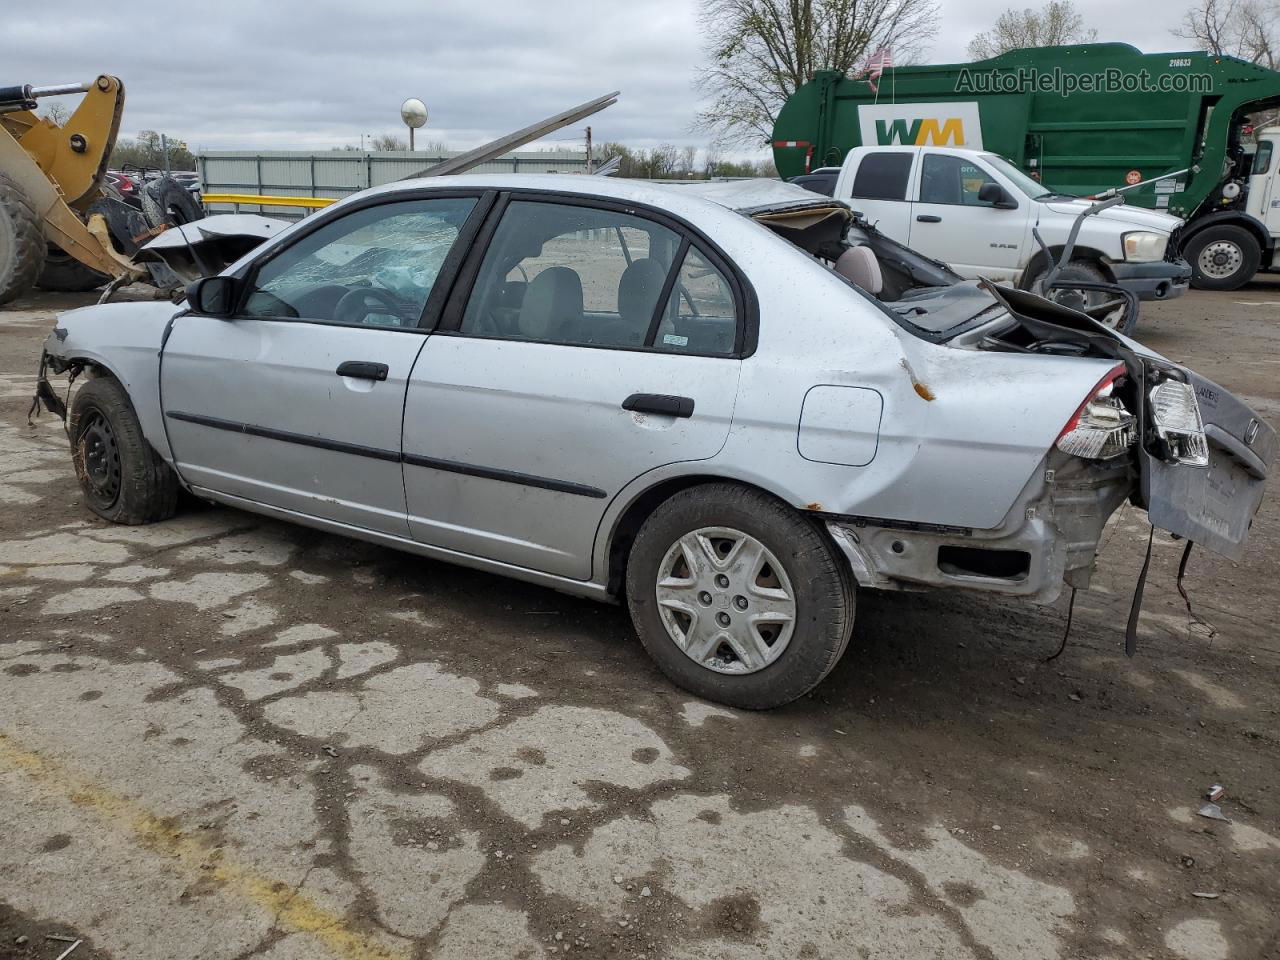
123 478
811 586
22 243
1223 257
63 273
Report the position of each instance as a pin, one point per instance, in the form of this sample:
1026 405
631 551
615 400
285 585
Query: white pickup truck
975 211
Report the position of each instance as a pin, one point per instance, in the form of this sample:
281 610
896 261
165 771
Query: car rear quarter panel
961 432
123 339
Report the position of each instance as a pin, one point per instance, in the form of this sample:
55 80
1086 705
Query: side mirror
214 296
995 195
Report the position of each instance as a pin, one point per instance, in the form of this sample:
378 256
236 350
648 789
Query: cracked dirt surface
222 737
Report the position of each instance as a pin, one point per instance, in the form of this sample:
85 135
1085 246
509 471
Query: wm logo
919 133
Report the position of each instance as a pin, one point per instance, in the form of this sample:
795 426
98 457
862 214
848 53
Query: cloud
311 74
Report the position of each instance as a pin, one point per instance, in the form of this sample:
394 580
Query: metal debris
1204 896
67 952
1214 793
1212 811
329 750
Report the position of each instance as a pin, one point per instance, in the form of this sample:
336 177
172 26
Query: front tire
737 597
1223 258
122 477
22 243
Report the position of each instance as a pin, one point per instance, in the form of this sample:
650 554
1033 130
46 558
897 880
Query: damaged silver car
730 413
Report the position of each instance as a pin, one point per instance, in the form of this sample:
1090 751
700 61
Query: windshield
1032 188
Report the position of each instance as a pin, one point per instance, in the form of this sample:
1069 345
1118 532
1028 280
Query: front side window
1262 158
952 180
375 266
883 176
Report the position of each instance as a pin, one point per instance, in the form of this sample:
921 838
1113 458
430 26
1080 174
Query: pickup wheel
1085 271
738 597
1223 257
123 478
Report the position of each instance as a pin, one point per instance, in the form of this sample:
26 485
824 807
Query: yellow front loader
51 174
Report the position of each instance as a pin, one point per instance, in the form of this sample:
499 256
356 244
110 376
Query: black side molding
661 403
506 476
392 456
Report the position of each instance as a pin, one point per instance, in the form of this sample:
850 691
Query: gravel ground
222 737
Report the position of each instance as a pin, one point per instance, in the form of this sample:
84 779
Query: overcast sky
300 74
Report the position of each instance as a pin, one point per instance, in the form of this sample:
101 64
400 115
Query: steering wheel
356 305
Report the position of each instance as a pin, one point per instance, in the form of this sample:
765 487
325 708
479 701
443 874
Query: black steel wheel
123 479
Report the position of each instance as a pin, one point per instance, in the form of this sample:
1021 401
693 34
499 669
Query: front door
595 344
950 223
296 401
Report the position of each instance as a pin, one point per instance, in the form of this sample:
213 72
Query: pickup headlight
1142 245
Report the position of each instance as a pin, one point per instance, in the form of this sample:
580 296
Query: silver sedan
730 407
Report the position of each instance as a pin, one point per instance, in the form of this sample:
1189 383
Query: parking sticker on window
671 340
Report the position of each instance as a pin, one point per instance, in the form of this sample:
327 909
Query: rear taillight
1175 413
1101 428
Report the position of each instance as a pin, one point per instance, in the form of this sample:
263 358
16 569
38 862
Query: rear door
950 223
586 344
880 191
296 401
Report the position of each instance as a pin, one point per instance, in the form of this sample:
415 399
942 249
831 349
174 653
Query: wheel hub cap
725 600
1220 259
101 459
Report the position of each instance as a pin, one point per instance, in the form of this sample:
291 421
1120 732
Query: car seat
859 266
552 305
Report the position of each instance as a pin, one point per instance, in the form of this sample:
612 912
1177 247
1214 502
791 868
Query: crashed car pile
729 406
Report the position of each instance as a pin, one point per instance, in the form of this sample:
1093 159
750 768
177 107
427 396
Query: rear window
883 176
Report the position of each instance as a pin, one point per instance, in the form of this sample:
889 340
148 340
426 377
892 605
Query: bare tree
1234 28
758 52
1056 23
388 142
55 111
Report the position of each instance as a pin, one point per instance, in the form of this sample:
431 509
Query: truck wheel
22 244
1223 257
738 597
65 274
123 478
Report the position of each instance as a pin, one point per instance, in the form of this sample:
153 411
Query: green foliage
144 151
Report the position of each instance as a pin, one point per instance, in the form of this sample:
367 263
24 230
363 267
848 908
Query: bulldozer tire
65 274
22 244
167 203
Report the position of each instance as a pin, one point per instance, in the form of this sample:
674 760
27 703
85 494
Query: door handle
363 370
928 218
659 403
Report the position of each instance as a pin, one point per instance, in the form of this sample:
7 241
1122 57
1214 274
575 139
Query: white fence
336 173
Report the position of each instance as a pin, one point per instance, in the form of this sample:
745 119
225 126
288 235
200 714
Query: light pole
414 114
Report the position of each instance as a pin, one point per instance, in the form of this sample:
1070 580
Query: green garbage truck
1080 119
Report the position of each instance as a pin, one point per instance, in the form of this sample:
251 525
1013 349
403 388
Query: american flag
879 61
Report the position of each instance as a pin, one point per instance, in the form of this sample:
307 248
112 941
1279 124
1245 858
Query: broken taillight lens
1175 413
1102 428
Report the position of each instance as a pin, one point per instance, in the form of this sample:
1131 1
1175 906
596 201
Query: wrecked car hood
208 246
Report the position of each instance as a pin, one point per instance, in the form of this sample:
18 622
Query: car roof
682 200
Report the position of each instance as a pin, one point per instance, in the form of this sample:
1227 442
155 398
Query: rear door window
883 176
